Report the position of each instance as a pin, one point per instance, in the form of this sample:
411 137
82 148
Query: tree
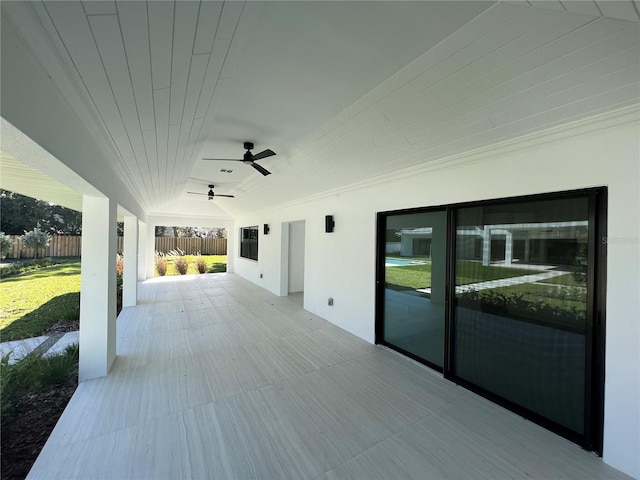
36 239
219 232
19 213
5 245
162 231
204 232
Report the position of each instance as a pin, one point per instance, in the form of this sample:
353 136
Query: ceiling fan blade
225 159
196 193
228 196
261 169
264 154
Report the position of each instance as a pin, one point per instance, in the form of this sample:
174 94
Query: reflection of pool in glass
398 262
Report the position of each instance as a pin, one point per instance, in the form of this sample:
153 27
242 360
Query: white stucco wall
342 264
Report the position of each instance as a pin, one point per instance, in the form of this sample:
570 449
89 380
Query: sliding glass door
506 298
520 323
414 284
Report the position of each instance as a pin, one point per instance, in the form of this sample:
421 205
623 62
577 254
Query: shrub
6 243
54 370
36 239
33 373
17 380
119 270
182 264
26 266
515 305
201 264
161 264
70 312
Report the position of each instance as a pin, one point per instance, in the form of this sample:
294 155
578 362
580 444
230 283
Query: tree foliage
19 214
203 232
5 244
36 239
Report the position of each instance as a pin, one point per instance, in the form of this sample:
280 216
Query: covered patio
131 111
217 378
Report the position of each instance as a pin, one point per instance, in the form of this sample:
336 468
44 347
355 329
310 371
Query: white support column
284 258
151 250
130 275
508 248
98 287
486 246
231 247
142 251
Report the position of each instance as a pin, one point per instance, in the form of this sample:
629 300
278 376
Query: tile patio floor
217 378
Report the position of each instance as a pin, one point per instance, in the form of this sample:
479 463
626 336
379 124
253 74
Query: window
249 242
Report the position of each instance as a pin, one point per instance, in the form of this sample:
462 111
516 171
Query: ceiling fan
249 158
211 194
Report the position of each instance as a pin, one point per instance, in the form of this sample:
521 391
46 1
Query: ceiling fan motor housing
248 156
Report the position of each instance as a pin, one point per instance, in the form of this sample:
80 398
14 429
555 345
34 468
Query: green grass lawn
472 272
32 302
215 264
409 276
419 276
568 280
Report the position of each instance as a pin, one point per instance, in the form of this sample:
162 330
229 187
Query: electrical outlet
260 275
330 302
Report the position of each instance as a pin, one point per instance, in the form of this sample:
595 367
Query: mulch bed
24 434
64 326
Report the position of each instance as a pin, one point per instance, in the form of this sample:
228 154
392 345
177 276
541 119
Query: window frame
247 249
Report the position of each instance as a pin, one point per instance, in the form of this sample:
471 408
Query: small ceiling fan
249 158
211 194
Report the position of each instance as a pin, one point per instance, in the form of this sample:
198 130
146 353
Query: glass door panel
520 322
414 284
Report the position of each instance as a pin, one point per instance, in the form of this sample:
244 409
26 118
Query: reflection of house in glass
549 243
413 242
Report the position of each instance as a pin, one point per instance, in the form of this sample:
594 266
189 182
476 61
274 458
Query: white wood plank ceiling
342 91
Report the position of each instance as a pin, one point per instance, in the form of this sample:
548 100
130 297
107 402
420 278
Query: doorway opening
293 252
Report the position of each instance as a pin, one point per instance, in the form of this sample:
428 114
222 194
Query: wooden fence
65 246
192 245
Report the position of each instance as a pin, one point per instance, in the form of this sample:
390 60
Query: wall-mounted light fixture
329 224
266 229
